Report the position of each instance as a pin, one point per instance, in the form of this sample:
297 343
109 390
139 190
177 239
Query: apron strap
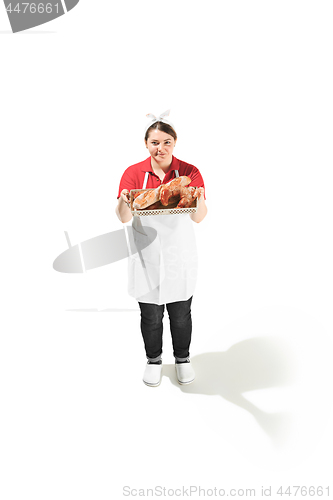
145 180
176 173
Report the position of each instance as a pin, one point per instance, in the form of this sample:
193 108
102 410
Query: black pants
180 326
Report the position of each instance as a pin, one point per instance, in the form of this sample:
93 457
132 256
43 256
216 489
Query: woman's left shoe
185 373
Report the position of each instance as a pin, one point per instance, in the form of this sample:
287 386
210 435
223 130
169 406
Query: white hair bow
161 118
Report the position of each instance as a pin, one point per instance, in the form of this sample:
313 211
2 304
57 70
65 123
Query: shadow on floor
257 363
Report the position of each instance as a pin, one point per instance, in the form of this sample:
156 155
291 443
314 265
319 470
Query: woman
162 270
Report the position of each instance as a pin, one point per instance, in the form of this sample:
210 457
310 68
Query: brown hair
164 127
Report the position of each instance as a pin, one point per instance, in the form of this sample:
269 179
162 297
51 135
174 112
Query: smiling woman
160 139
159 275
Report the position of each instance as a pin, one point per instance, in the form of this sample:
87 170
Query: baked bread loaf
187 196
147 198
172 188
165 193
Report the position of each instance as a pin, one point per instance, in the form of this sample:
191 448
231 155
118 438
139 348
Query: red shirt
133 177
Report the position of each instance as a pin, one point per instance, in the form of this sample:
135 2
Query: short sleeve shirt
133 177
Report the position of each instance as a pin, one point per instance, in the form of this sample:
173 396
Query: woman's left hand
201 212
201 195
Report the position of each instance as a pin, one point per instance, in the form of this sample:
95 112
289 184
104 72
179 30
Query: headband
160 118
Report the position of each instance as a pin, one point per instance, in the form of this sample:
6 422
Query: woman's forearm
123 211
201 212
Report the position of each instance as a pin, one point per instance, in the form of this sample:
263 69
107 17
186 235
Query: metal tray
169 210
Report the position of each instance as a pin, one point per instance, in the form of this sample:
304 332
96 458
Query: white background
249 85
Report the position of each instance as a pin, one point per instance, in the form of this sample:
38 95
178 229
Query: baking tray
169 210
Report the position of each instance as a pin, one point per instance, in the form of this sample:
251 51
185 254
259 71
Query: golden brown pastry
147 198
187 196
172 188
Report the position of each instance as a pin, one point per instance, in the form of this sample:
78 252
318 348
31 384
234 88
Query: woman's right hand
125 196
123 207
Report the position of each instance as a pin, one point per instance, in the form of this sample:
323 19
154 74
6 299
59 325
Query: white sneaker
152 375
185 373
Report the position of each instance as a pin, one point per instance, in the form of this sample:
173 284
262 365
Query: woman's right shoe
152 374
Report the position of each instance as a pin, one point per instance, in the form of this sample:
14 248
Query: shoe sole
152 385
186 383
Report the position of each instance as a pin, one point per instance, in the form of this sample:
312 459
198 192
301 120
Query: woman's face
160 146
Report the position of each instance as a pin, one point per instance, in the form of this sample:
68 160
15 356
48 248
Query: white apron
165 270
